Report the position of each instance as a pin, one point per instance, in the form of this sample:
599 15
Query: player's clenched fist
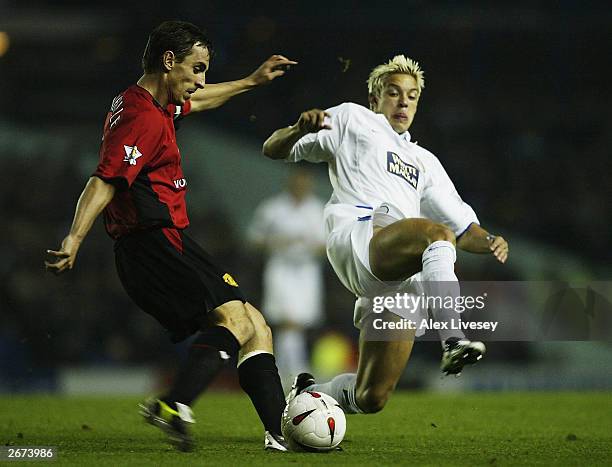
312 121
279 144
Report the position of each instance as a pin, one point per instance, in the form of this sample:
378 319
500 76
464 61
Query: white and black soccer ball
313 421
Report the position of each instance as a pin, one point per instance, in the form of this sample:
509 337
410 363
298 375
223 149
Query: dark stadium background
516 106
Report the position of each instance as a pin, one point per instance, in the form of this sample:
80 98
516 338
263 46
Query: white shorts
348 252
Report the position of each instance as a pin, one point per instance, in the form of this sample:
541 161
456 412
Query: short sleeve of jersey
441 203
322 146
128 145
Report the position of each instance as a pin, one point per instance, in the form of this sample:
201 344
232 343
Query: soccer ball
313 421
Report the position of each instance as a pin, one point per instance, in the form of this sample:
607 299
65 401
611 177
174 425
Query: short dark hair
177 36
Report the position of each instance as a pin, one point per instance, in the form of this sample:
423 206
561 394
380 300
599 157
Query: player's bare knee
268 334
242 328
437 232
237 320
263 331
261 328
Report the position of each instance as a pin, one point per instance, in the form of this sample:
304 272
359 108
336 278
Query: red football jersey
140 157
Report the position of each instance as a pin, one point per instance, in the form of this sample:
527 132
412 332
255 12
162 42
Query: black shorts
178 288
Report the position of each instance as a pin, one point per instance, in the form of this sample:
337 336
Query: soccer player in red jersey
140 187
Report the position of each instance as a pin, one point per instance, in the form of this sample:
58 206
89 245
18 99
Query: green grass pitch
414 429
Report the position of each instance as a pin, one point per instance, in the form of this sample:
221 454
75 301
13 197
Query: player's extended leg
381 364
230 327
236 328
259 378
408 246
397 250
402 248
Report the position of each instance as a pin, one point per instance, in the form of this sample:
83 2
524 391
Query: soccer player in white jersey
289 229
394 215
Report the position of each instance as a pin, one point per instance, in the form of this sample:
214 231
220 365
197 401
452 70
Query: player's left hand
272 68
65 257
499 248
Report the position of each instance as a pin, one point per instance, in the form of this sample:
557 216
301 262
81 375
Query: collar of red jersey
149 97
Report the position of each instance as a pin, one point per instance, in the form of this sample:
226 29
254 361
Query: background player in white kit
394 215
289 227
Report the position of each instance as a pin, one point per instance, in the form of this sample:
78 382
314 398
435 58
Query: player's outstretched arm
279 144
94 198
215 95
477 240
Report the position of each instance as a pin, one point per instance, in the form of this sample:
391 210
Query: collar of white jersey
405 135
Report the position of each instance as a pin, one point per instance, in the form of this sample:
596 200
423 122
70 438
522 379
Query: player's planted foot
300 383
460 352
174 422
274 442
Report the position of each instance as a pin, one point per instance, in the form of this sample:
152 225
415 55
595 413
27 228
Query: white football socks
439 280
341 388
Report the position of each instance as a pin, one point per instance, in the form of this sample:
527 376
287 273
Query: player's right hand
64 257
313 121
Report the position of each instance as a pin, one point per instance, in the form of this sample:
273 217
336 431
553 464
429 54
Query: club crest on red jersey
397 166
229 279
131 154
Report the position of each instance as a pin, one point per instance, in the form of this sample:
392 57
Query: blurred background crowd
516 106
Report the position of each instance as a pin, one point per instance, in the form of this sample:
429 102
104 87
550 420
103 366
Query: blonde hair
398 64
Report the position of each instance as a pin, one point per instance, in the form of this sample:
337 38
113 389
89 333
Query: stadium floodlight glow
5 43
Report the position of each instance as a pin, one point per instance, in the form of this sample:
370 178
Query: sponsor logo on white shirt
397 166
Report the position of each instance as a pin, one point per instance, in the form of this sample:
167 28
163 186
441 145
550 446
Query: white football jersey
370 164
